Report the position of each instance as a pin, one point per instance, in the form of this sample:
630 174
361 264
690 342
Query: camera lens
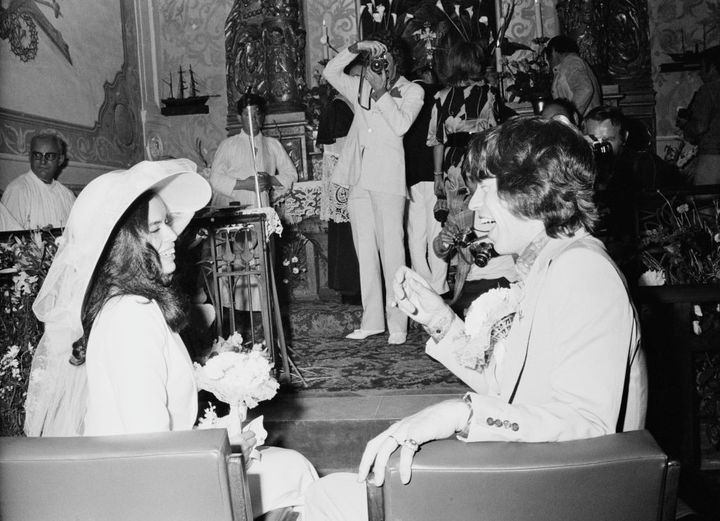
378 65
481 252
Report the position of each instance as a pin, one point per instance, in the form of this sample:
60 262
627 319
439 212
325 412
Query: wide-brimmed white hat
93 218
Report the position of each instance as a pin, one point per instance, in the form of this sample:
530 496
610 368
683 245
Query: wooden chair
615 477
173 476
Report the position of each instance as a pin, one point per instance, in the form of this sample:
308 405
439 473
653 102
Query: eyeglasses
49 156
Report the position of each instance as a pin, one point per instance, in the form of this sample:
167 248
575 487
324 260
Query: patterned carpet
329 362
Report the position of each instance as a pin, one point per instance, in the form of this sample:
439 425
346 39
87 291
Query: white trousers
279 479
422 228
377 228
337 497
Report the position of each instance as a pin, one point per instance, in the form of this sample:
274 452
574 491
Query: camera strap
363 95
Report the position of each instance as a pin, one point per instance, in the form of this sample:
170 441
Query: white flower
652 278
294 260
683 208
23 284
295 271
238 378
286 262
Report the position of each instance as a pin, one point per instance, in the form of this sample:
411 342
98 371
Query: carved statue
627 44
280 60
265 51
582 20
612 35
247 68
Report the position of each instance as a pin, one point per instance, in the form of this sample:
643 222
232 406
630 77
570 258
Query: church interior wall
73 72
106 103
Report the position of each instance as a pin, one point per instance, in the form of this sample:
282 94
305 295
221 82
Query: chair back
182 475
614 477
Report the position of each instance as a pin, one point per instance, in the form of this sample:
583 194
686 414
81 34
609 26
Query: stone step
332 430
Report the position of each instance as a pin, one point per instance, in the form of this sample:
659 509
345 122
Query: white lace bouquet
487 323
238 376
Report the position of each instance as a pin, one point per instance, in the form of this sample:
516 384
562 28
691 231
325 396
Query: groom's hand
415 297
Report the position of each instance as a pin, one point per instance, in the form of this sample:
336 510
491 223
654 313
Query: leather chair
173 476
615 477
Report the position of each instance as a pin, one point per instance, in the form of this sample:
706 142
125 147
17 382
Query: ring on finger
411 444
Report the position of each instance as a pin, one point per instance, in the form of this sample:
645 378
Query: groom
571 367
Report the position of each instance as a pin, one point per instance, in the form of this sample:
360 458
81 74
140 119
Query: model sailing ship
192 104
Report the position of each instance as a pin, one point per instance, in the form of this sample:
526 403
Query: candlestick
325 39
538 19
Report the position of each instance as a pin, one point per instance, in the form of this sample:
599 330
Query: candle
325 39
538 19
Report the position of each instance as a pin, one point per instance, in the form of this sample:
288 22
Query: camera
481 252
602 150
379 64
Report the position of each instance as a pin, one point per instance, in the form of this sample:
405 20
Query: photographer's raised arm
345 84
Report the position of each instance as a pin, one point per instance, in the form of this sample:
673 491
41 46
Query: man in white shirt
36 199
573 79
232 176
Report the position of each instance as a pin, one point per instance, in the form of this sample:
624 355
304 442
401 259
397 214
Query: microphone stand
254 155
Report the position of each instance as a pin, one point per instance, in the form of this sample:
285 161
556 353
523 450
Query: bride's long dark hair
129 265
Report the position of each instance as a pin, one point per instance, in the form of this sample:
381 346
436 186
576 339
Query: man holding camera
372 165
626 167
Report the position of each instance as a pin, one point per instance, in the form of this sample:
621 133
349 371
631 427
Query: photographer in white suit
372 164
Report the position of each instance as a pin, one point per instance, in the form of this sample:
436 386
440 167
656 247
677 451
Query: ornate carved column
265 51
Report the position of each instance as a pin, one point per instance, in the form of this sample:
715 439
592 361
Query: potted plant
529 78
25 258
679 300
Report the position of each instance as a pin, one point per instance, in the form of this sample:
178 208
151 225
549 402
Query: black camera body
379 64
602 150
480 251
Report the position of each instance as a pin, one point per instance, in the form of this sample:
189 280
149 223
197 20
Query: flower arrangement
24 261
294 265
237 375
487 323
316 100
531 76
682 245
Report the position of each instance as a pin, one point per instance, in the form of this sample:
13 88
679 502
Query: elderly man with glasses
36 199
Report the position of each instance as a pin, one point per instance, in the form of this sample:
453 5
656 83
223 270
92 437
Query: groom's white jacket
574 340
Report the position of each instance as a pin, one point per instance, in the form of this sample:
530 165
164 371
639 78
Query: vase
238 414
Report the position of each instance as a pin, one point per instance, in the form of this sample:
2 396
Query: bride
111 360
